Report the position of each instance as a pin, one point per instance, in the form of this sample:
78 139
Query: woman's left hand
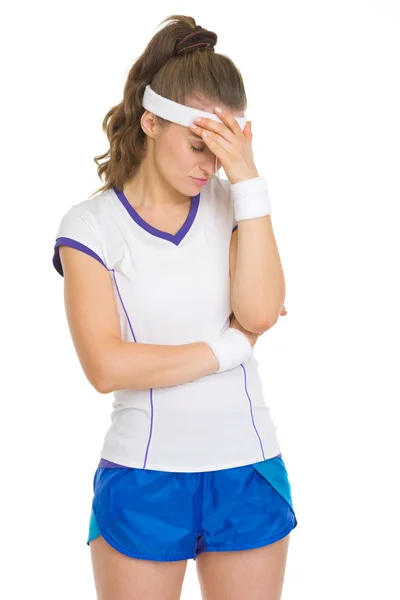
230 144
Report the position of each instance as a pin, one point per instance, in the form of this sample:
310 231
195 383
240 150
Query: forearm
259 284
142 366
258 287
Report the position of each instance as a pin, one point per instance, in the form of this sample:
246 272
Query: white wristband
230 348
250 199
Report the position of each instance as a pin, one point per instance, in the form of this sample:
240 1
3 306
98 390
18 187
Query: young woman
153 266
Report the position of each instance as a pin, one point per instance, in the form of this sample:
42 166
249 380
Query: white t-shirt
174 289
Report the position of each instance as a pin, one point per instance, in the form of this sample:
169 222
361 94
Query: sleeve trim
66 241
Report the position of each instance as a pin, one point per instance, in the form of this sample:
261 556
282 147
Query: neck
147 188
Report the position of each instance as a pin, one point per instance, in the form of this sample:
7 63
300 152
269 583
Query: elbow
104 382
102 386
262 325
104 379
254 320
101 379
259 324
265 322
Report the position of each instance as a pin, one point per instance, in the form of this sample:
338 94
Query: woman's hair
199 71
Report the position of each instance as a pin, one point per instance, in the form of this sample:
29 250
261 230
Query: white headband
178 113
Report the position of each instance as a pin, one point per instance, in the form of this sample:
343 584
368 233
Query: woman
191 464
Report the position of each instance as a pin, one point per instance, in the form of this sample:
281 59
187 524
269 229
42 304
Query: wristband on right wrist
230 348
250 199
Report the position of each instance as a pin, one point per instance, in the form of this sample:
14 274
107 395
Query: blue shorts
168 516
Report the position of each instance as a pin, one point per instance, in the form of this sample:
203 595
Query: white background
322 80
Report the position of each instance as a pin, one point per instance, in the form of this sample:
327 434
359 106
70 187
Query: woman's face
181 155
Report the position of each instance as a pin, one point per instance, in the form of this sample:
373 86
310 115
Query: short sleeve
234 224
76 231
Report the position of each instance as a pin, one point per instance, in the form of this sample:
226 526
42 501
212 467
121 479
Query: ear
148 123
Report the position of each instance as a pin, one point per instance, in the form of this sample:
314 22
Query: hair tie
199 38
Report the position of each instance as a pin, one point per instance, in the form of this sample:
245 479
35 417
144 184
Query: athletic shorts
168 516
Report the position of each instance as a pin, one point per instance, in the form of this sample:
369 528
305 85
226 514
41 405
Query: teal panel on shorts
274 471
94 530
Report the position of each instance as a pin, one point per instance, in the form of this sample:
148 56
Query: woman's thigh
255 574
120 577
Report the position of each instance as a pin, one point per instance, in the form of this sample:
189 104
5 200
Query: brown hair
174 76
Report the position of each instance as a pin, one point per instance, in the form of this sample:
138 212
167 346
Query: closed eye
197 149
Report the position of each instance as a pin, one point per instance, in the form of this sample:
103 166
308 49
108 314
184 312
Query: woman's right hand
252 337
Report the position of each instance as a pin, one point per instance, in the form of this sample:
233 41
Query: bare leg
255 574
120 577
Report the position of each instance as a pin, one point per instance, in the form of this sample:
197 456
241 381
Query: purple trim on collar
175 239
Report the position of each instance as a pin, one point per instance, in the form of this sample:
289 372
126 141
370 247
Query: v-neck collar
175 239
